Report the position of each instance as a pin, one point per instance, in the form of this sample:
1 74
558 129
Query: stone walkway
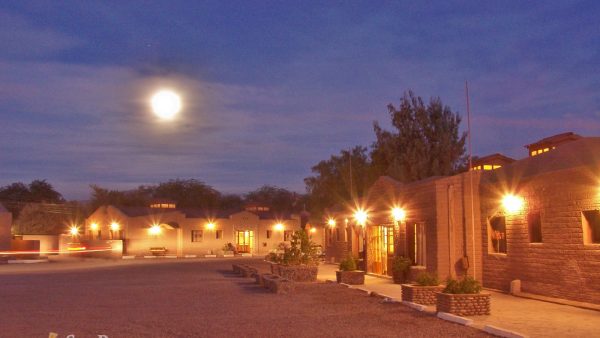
528 317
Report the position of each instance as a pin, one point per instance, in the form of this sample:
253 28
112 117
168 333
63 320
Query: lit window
534 221
219 234
497 234
496 166
546 149
197 236
487 167
533 153
591 226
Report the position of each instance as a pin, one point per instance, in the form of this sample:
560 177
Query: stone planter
477 304
425 295
399 277
355 277
299 273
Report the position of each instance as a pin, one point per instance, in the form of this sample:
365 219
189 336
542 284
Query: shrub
348 264
272 257
401 264
228 247
467 285
427 279
301 250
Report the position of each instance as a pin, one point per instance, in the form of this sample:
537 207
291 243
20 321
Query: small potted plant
400 268
463 298
348 272
424 291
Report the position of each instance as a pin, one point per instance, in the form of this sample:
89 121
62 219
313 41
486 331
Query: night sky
271 88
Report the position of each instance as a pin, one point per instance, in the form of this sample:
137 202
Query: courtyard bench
158 250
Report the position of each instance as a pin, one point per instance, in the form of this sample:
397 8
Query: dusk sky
271 88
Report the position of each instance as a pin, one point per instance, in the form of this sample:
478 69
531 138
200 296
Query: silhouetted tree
278 199
189 193
339 179
139 197
426 141
16 195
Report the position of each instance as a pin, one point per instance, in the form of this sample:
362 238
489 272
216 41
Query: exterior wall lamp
512 204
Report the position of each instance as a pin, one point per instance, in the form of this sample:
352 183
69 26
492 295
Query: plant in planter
348 272
228 249
299 262
400 267
464 298
424 291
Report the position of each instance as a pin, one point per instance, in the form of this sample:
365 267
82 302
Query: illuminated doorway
380 249
244 241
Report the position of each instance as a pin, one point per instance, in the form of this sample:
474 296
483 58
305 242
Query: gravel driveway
196 299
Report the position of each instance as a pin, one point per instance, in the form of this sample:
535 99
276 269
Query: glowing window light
398 214
512 204
114 226
361 216
155 230
331 222
278 226
210 225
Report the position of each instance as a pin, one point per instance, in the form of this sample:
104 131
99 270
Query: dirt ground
198 298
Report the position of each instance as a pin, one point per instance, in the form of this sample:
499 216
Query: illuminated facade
540 218
535 220
191 232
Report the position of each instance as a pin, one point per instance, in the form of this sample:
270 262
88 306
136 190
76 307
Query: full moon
166 104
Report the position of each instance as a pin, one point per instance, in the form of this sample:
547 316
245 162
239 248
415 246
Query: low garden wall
299 273
464 304
425 295
350 277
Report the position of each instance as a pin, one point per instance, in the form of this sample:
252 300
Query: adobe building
491 162
181 232
437 228
540 220
5 225
549 143
431 221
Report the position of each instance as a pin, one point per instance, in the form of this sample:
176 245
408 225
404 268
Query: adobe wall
178 241
418 199
561 266
458 230
5 235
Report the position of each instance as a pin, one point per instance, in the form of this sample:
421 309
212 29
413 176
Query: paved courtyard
529 317
192 298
